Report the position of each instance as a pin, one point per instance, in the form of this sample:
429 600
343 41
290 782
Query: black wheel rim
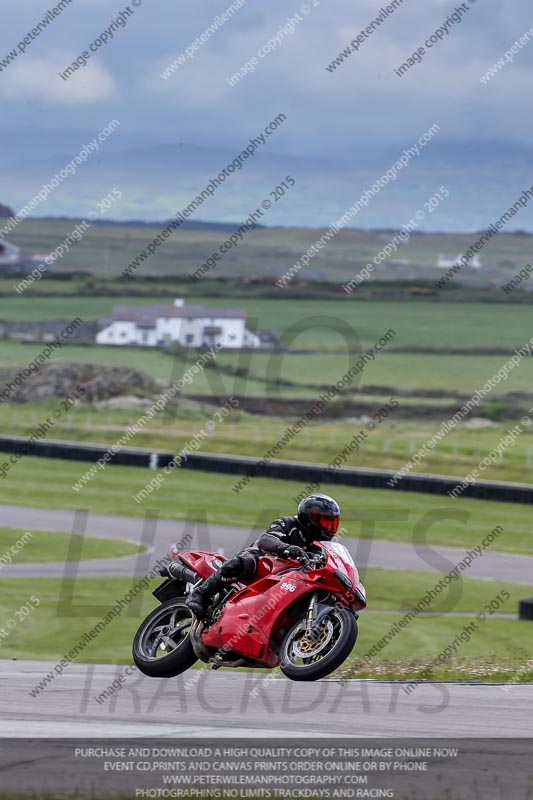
166 632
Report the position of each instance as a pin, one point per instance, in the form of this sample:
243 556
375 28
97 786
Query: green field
381 514
447 375
440 353
437 325
40 546
107 249
389 446
402 589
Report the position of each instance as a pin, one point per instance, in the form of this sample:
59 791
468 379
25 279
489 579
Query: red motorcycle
300 616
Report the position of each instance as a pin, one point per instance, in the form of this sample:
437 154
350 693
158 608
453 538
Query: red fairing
300 615
201 561
256 618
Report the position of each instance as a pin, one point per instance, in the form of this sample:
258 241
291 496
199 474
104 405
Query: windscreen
340 550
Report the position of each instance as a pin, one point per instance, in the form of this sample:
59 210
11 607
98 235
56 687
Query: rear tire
335 641
162 646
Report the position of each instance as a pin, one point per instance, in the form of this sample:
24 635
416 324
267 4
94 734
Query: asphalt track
203 703
223 704
157 535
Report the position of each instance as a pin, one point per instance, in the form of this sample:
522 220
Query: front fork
311 613
315 613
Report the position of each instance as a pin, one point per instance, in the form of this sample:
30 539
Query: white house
188 325
9 254
445 262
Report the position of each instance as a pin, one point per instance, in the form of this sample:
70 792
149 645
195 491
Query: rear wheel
162 646
308 657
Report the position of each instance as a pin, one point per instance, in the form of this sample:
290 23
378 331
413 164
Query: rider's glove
295 553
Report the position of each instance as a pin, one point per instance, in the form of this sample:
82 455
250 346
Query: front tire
309 659
162 646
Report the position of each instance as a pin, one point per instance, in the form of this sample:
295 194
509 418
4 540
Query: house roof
147 315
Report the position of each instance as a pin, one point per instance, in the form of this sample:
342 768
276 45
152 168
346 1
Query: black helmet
320 516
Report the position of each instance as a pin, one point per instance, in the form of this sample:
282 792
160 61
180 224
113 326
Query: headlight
346 582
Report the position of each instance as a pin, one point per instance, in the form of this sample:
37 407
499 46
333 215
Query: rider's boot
198 600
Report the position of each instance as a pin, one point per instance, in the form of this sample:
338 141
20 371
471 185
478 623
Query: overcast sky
361 107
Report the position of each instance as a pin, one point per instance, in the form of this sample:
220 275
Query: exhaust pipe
182 572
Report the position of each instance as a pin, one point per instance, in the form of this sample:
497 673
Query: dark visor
325 523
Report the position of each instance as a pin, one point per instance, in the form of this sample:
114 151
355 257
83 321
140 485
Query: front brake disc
307 647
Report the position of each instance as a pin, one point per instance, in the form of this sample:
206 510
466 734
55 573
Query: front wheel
162 646
305 657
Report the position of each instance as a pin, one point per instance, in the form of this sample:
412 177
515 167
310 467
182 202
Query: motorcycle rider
317 519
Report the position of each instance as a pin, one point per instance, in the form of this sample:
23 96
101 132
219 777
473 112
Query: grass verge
498 651
43 546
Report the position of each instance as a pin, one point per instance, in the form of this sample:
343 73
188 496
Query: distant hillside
156 182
